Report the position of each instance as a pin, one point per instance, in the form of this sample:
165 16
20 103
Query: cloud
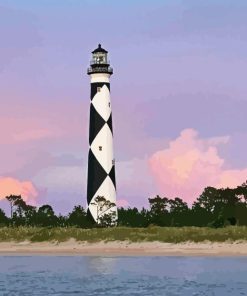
13 186
189 164
64 186
63 179
32 135
184 168
16 130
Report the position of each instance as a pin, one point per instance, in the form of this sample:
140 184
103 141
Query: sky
178 97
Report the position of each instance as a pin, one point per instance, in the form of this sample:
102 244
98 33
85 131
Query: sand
117 248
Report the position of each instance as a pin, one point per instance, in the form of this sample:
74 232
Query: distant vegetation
214 208
149 234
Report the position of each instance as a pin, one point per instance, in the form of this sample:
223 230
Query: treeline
213 208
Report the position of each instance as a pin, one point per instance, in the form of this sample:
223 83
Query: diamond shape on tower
101 102
112 175
96 123
109 122
96 175
102 148
95 85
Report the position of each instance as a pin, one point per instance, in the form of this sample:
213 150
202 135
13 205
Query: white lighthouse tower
101 165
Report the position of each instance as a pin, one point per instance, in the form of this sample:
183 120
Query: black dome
100 49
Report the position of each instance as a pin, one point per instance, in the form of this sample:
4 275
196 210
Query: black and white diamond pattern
101 102
101 167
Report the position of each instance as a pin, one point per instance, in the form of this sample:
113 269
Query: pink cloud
35 134
189 164
31 123
13 186
15 130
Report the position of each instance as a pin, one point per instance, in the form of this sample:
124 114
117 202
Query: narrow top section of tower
99 49
99 62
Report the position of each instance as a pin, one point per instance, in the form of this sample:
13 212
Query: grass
162 234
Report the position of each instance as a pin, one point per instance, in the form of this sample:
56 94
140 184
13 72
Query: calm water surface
169 276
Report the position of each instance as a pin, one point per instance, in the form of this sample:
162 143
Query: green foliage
215 208
133 218
159 214
45 216
3 218
105 216
16 203
149 234
107 220
218 222
78 218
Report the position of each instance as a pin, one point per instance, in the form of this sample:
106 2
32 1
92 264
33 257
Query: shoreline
123 248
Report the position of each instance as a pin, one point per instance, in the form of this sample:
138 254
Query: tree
62 221
21 213
103 207
107 219
218 222
179 212
13 200
241 213
46 216
177 206
78 217
3 218
241 191
200 216
30 215
159 214
21 207
158 205
208 199
133 218
227 204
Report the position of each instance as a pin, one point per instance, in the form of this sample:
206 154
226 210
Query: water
169 276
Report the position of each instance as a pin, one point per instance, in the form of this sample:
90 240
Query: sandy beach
123 248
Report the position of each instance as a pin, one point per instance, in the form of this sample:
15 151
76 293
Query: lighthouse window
109 104
113 162
98 89
100 148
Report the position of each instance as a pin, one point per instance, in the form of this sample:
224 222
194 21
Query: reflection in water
102 265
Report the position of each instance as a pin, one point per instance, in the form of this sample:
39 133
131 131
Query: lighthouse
101 164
